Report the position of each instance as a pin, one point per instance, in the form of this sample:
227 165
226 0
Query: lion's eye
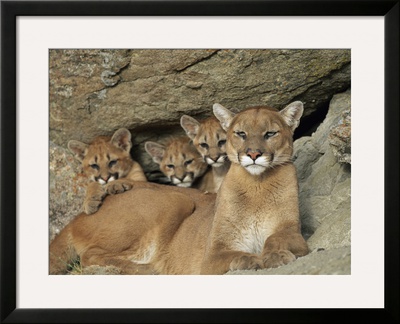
188 162
221 142
241 134
269 134
112 163
204 145
94 166
170 166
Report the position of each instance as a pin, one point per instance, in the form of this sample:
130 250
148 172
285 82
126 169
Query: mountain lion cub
107 163
251 223
210 140
178 160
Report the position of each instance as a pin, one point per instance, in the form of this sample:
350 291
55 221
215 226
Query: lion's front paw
96 195
278 258
246 262
118 186
91 206
94 198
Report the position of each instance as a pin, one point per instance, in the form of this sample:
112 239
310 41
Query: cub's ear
292 113
224 115
78 149
155 150
122 139
190 125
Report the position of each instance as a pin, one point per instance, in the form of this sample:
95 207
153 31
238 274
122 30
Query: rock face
67 188
95 92
99 91
324 180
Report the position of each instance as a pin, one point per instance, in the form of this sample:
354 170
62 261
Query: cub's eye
170 166
221 142
188 162
112 163
94 166
241 134
269 134
204 145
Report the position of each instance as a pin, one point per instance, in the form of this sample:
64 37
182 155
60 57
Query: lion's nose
180 177
214 158
253 154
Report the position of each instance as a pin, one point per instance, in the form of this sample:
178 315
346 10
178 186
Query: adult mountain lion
210 140
179 161
107 163
252 223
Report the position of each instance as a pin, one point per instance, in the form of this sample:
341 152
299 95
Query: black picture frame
10 10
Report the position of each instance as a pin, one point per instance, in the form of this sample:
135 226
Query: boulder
67 186
325 178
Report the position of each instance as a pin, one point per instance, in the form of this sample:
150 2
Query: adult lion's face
260 138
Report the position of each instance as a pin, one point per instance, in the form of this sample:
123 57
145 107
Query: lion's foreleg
283 247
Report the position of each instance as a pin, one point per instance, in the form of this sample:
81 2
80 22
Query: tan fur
252 222
107 163
209 138
179 161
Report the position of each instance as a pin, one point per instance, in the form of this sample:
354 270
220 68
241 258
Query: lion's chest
250 218
251 238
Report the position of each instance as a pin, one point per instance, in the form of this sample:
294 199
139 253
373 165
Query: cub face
208 137
105 159
178 160
260 138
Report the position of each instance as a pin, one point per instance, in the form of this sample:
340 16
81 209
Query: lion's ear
292 113
122 139
155 150
79 149
224 115
190 125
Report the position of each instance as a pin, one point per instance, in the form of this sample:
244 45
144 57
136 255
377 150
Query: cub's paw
91 206
94 198
118 186
278 258
246 262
